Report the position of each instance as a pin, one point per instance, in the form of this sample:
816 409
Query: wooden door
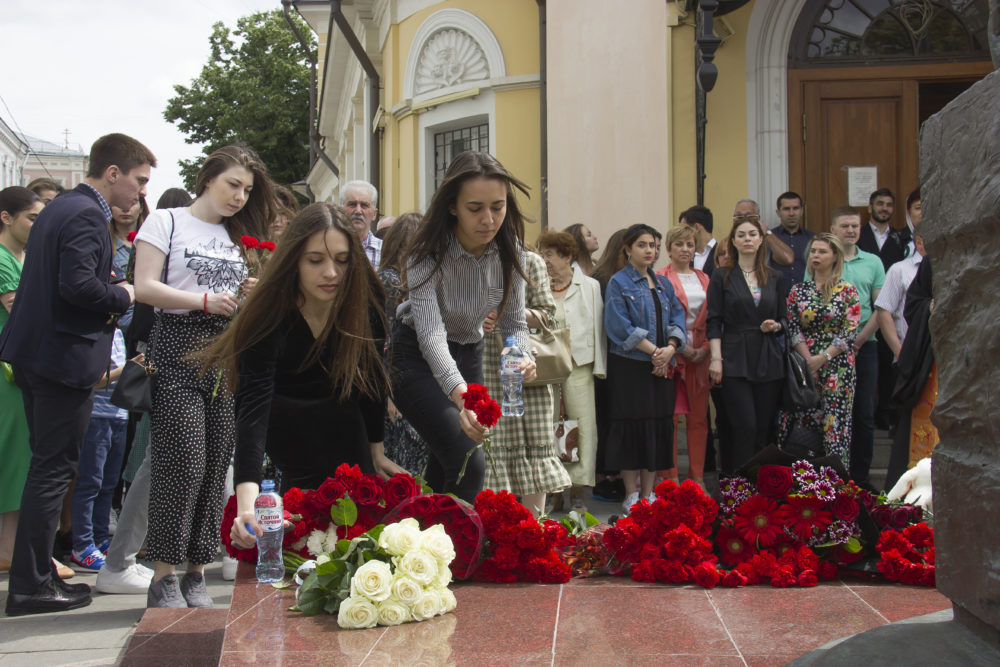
857 124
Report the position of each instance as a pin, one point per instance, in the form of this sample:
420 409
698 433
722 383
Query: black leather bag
803 442
134 389
800 391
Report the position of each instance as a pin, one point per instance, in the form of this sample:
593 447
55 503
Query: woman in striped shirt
465 261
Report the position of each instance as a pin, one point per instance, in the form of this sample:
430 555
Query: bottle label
269 518
510 365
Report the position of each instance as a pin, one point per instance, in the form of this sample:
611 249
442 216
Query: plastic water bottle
270 518
513 381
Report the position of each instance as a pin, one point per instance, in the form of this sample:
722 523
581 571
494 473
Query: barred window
449 144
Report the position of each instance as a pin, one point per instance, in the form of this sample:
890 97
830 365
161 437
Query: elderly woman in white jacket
580 307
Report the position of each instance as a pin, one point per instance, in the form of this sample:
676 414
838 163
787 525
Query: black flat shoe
48 599
70 589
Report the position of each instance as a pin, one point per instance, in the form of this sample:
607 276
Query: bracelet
204 308
828 357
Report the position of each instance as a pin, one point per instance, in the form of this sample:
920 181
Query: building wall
609 162
12 152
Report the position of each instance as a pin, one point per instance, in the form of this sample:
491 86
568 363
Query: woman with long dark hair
746 314
190 265
645 326
304 359
465 261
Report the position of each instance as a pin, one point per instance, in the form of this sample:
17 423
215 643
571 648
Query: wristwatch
828 357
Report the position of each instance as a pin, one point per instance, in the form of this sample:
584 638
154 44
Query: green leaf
853 545
342 547
591 519
332 605
344 512
282 585
425 488
375 532
329 567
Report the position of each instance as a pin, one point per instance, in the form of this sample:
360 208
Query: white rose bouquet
387 576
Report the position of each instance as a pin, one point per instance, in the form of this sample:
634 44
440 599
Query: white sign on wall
861 183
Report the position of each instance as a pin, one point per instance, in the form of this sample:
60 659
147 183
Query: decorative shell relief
450 57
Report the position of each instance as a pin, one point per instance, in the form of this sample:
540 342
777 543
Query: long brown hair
397 241
255 217
583 257
439 224
760 266
612 259
346 347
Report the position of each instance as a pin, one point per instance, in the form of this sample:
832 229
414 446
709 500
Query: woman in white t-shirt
191 267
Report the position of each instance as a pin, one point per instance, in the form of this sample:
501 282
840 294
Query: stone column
960 184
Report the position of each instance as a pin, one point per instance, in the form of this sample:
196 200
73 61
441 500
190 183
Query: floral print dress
821 324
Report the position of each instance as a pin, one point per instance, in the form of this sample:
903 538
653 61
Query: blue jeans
865 390
100 467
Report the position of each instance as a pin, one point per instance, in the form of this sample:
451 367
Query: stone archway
768 38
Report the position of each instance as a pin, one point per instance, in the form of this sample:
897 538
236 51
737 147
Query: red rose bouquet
667 540
459 519
907 555
520 548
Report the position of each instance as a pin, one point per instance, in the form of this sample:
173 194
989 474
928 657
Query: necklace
747 273
563 288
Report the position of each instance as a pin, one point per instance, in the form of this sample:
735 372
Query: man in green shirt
863 270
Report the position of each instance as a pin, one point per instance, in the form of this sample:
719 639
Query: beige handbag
567 434
553 353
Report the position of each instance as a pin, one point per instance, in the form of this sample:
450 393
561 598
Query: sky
101 66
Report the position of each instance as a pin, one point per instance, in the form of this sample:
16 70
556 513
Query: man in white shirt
700 217
360 200
892 299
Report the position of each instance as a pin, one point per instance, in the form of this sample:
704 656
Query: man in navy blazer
58 339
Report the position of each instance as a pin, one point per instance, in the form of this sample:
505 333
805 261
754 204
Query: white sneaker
130 581
229 566
143 570
112 523
630 499
651 497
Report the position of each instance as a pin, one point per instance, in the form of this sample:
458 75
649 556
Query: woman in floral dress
823 318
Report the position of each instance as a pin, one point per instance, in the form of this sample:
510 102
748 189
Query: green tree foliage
254 88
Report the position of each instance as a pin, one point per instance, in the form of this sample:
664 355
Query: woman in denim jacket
644 322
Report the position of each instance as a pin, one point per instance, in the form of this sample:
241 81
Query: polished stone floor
603 621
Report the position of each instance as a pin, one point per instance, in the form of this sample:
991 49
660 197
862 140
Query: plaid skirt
523 448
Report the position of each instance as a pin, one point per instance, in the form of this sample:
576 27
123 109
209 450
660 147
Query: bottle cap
511 341
267 485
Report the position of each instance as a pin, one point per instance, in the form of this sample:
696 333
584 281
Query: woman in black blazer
746 311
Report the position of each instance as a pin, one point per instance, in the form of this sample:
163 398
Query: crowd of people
301 340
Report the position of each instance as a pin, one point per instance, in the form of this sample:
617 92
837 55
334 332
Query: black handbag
135 386
800 391
803 442
134 389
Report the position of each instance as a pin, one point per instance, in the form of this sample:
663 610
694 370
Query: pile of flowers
667 540
908 555
520 548
387 576
896 515
313 531
790 508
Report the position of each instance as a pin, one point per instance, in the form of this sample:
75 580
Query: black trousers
57 422
419 398
751 408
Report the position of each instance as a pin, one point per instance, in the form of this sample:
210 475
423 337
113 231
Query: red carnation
845 508
734 579
775 481
488 412
757 522
706 575
805 516
827 570
807 579
400 487
474 394
783 577
268 246
348 471
292 500
130 237
249 242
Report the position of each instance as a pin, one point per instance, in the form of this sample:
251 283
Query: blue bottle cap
267 485
511 341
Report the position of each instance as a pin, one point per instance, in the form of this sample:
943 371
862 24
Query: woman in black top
307 347
746 310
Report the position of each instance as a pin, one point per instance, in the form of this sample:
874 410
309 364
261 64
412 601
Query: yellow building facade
806 90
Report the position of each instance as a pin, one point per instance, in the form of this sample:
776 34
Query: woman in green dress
18 209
